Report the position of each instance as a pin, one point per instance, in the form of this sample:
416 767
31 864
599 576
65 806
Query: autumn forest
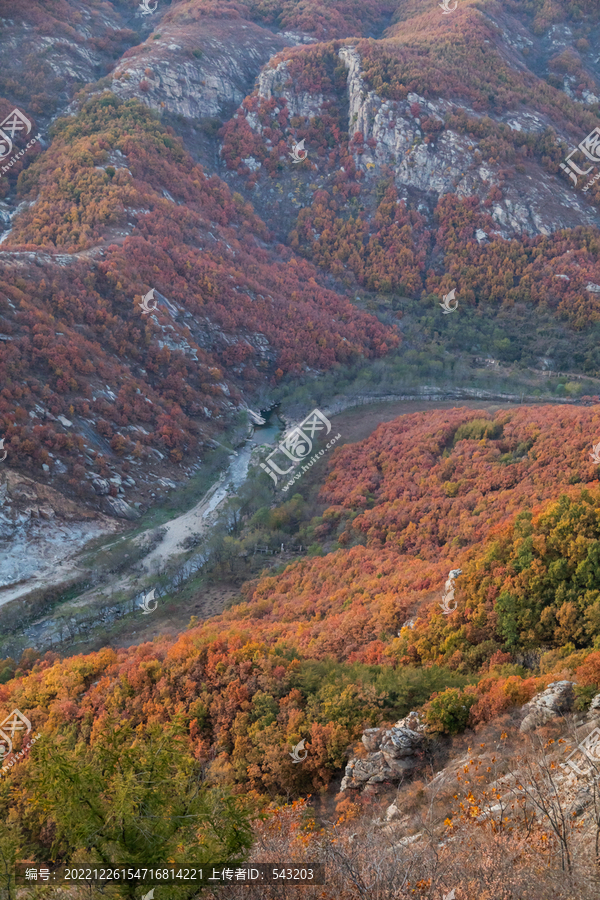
380 659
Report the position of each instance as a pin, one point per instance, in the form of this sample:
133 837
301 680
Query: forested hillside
231 317
323 646
298 188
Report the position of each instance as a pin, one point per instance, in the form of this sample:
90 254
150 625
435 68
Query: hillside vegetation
320 648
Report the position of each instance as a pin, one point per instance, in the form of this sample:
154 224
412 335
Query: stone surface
101 486
120 508
413 721
371 739
391 754
556 699
197 86
393 813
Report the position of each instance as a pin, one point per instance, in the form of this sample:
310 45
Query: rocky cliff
197 69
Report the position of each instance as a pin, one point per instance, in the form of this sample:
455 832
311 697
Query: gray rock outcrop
558 698
449 163
391 754
411 138
198 72
101 486
120 508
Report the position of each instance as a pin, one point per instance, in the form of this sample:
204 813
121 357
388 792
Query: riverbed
196 520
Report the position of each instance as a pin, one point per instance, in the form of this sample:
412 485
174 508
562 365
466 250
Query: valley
164 552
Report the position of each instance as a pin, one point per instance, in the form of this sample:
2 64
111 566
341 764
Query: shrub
448 712
477 429
588 674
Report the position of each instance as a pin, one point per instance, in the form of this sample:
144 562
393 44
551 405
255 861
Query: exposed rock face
448 164
391 754
556 699
200 71
273 82
533 201
121 508
101 486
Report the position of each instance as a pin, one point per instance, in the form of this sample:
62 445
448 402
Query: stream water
238 465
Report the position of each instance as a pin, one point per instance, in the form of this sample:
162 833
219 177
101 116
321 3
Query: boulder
414 721
121 508
558 698
372 738
101 486
400 742
391 754
393 813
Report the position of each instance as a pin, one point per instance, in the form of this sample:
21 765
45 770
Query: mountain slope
230 313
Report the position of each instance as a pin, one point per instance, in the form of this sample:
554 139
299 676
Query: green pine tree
136 800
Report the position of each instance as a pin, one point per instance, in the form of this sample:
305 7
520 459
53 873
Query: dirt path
194 521
354 424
